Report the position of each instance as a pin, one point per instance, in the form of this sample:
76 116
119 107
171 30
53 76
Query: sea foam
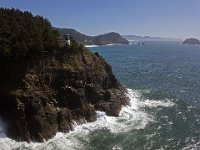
131 117
88 46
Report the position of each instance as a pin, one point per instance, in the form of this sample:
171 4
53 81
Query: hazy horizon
168 19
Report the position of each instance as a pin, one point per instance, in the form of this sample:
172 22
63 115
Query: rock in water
191 41
40 98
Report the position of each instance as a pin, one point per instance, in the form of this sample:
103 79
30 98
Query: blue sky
164 18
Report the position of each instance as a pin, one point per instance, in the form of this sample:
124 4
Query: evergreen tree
23 35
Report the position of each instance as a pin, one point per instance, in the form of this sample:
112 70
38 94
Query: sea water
163 85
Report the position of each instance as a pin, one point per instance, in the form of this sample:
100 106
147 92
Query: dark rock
65 120
191 41
42 98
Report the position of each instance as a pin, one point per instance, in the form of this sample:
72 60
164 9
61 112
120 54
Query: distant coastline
148 38
111 44
102 39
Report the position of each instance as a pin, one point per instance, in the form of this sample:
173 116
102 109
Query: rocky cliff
43 97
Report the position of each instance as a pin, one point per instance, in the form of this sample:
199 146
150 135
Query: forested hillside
23 35
79 37
103 39
46 87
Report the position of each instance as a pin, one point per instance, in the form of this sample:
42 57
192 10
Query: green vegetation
108 38
74 57
79 37
23 35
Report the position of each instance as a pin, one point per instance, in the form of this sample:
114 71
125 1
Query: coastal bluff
45 97
45 89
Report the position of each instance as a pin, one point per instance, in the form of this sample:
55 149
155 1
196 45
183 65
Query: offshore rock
40 98
191 41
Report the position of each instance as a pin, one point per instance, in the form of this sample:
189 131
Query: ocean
163 85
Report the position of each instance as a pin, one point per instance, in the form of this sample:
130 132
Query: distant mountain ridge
79 37
103 39
148 38
110 38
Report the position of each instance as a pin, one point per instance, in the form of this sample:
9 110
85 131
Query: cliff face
39 99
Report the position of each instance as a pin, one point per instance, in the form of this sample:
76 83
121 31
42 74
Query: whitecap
131 117
88 46
157 103
117 147
194 146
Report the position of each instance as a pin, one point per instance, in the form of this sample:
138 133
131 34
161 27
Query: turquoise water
168 69
160 71
163 82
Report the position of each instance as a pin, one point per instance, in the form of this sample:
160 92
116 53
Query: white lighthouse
67 39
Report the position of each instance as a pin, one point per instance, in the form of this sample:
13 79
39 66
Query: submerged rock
40 98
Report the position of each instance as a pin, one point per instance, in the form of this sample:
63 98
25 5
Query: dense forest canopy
23 35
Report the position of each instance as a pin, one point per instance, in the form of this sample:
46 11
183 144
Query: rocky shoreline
41 98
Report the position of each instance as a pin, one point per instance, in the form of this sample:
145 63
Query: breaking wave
88 46
131 117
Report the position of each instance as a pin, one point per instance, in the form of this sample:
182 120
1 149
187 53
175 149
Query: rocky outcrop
40 98
191 41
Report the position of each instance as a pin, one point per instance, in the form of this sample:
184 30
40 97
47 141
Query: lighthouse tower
67 39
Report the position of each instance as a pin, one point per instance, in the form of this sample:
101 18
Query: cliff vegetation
45 88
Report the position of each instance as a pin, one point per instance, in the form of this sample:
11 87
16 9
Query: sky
160 18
